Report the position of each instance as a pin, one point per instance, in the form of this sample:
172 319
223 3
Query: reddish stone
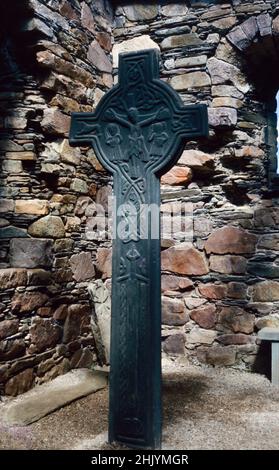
174 283
44 334
197 160
10 349
228 264
230 240
204 316
82 267
67 10
249 151
38 277
177 176
44 312
239 338
173 312
82 358
8 328
87 19
104 40
20 383
213 291
77 315
237 320
61 312
28 301
266 291
4 373
102 197
98 58
184 259
104 262
174 345
92 190
55 122
12 277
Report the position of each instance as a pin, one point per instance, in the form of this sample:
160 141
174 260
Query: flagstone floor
204 408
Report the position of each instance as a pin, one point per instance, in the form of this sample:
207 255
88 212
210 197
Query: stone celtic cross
138 133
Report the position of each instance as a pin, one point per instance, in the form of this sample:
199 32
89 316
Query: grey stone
190 80
181 40
269 321
238 38
265 270
141 11
9 145
12 166
101 318
218 355
79 186
269 334
98 57
250 27
69 154
227 52
174 345
6 205
264 22
30 253
37 26
174 10
195 61
222 117
51 15
222 72
44 399
50 226
135 44
226 90
13 232
200 336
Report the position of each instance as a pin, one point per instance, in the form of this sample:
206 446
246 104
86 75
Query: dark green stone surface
138 133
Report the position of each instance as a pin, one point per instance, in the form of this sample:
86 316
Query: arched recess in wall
257 40
17 69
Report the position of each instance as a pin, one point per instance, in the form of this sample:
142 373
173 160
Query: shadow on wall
44 317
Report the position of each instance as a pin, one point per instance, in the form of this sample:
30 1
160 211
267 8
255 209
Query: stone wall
55 59
218 289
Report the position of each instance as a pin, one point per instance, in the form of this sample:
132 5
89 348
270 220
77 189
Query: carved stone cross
138 133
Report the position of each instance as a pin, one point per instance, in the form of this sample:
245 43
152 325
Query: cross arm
191 121
84 128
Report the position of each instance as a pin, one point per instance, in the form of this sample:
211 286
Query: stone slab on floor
43 399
